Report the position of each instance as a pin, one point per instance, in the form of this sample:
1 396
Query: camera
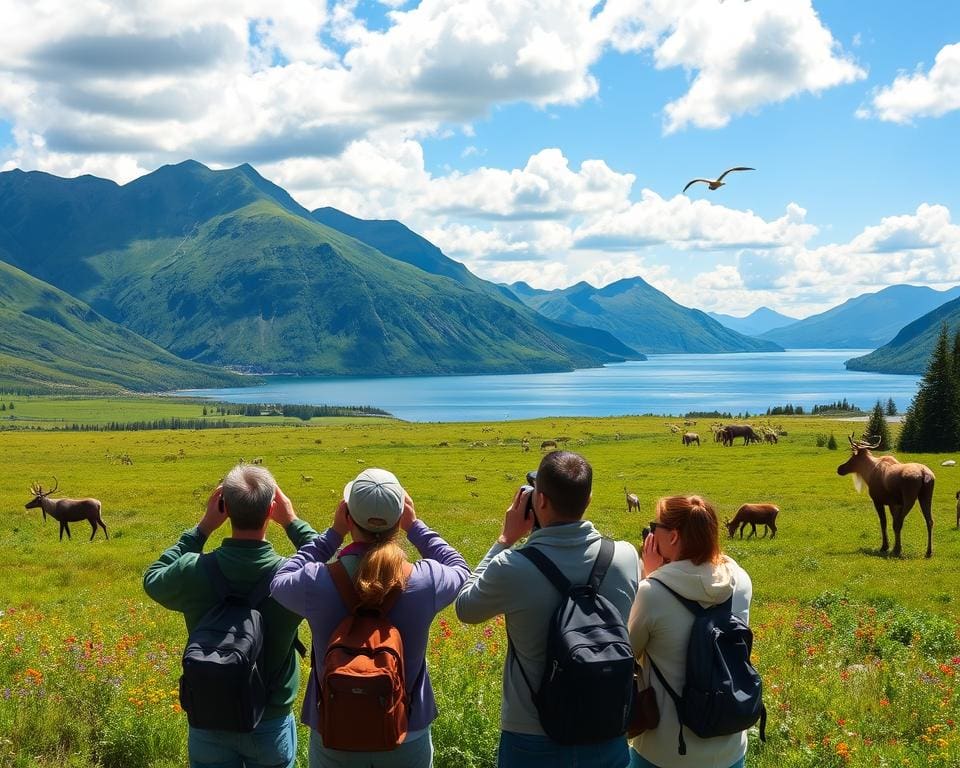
644 533
530 486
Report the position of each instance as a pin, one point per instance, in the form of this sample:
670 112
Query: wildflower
479 648
488 632
884 702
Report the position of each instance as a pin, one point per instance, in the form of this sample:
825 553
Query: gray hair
248 491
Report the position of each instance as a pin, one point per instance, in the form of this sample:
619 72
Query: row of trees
304 412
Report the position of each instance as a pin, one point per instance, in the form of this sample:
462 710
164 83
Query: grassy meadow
860 653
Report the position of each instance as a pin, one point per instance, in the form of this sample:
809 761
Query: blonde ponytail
381 568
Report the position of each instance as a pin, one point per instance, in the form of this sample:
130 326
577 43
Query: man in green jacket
250 499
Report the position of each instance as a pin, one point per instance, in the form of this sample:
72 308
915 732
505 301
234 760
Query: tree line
932 422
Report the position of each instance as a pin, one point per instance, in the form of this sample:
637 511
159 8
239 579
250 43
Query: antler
36 489
864 443
56 484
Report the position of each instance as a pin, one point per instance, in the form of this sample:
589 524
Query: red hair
695 519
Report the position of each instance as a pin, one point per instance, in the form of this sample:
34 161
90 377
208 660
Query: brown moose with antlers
892 484
67 510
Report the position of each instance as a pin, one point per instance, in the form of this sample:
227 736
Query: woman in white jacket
683 549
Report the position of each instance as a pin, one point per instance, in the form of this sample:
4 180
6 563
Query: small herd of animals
890 484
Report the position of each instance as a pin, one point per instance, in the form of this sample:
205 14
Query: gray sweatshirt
660 629
507 583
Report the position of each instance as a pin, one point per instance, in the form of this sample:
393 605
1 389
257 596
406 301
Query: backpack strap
682 746
546 566
348 590
602 563
344 585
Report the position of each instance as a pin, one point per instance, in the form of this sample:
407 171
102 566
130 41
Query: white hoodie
660 629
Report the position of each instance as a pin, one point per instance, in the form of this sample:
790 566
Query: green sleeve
167 580
300 533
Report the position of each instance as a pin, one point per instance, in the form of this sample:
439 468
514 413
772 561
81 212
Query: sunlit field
859 652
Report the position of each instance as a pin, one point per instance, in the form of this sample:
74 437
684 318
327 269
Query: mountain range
864 322
757 322
224 268
909 351
187 276
640 315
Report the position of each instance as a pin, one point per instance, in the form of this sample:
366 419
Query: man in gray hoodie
507 583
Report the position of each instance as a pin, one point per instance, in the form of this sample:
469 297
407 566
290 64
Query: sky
547 141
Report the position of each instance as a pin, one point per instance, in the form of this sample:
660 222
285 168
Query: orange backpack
361 695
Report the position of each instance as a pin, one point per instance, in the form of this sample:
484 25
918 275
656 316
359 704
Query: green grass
53 413
840 629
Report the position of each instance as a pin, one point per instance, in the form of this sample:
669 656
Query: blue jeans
636 761
272 745
411 754
522 750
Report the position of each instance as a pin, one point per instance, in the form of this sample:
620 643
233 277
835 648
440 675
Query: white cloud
920 94
228 81
744 55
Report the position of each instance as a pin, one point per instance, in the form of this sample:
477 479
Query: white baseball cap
374 499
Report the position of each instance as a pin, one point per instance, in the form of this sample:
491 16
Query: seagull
719 182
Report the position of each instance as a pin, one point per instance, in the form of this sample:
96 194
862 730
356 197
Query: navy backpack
722 692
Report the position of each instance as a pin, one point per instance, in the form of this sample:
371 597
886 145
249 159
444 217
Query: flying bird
718 182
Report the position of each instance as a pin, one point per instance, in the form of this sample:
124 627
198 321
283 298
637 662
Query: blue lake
664 384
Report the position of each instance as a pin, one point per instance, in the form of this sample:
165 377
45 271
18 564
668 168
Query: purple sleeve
293 581
447 567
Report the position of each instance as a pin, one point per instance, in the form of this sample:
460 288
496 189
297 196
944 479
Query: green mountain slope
399 242
909 351
868 320
224 268
641 316
51 341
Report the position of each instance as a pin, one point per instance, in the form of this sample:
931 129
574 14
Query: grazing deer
754 515
67 510
632 501
892 484
306 478
548 444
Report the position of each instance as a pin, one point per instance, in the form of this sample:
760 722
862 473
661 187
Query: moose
891 484
754 515
632 501
67 510
689 438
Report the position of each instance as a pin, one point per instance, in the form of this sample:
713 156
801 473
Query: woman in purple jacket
374 510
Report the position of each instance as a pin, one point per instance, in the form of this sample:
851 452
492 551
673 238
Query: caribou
891 484
754 515
689 438
632 501
67 510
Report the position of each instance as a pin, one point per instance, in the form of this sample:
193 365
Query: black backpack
223 686
722 692
586 691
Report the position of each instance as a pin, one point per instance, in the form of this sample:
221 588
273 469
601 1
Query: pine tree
877 427
932 422
891 407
